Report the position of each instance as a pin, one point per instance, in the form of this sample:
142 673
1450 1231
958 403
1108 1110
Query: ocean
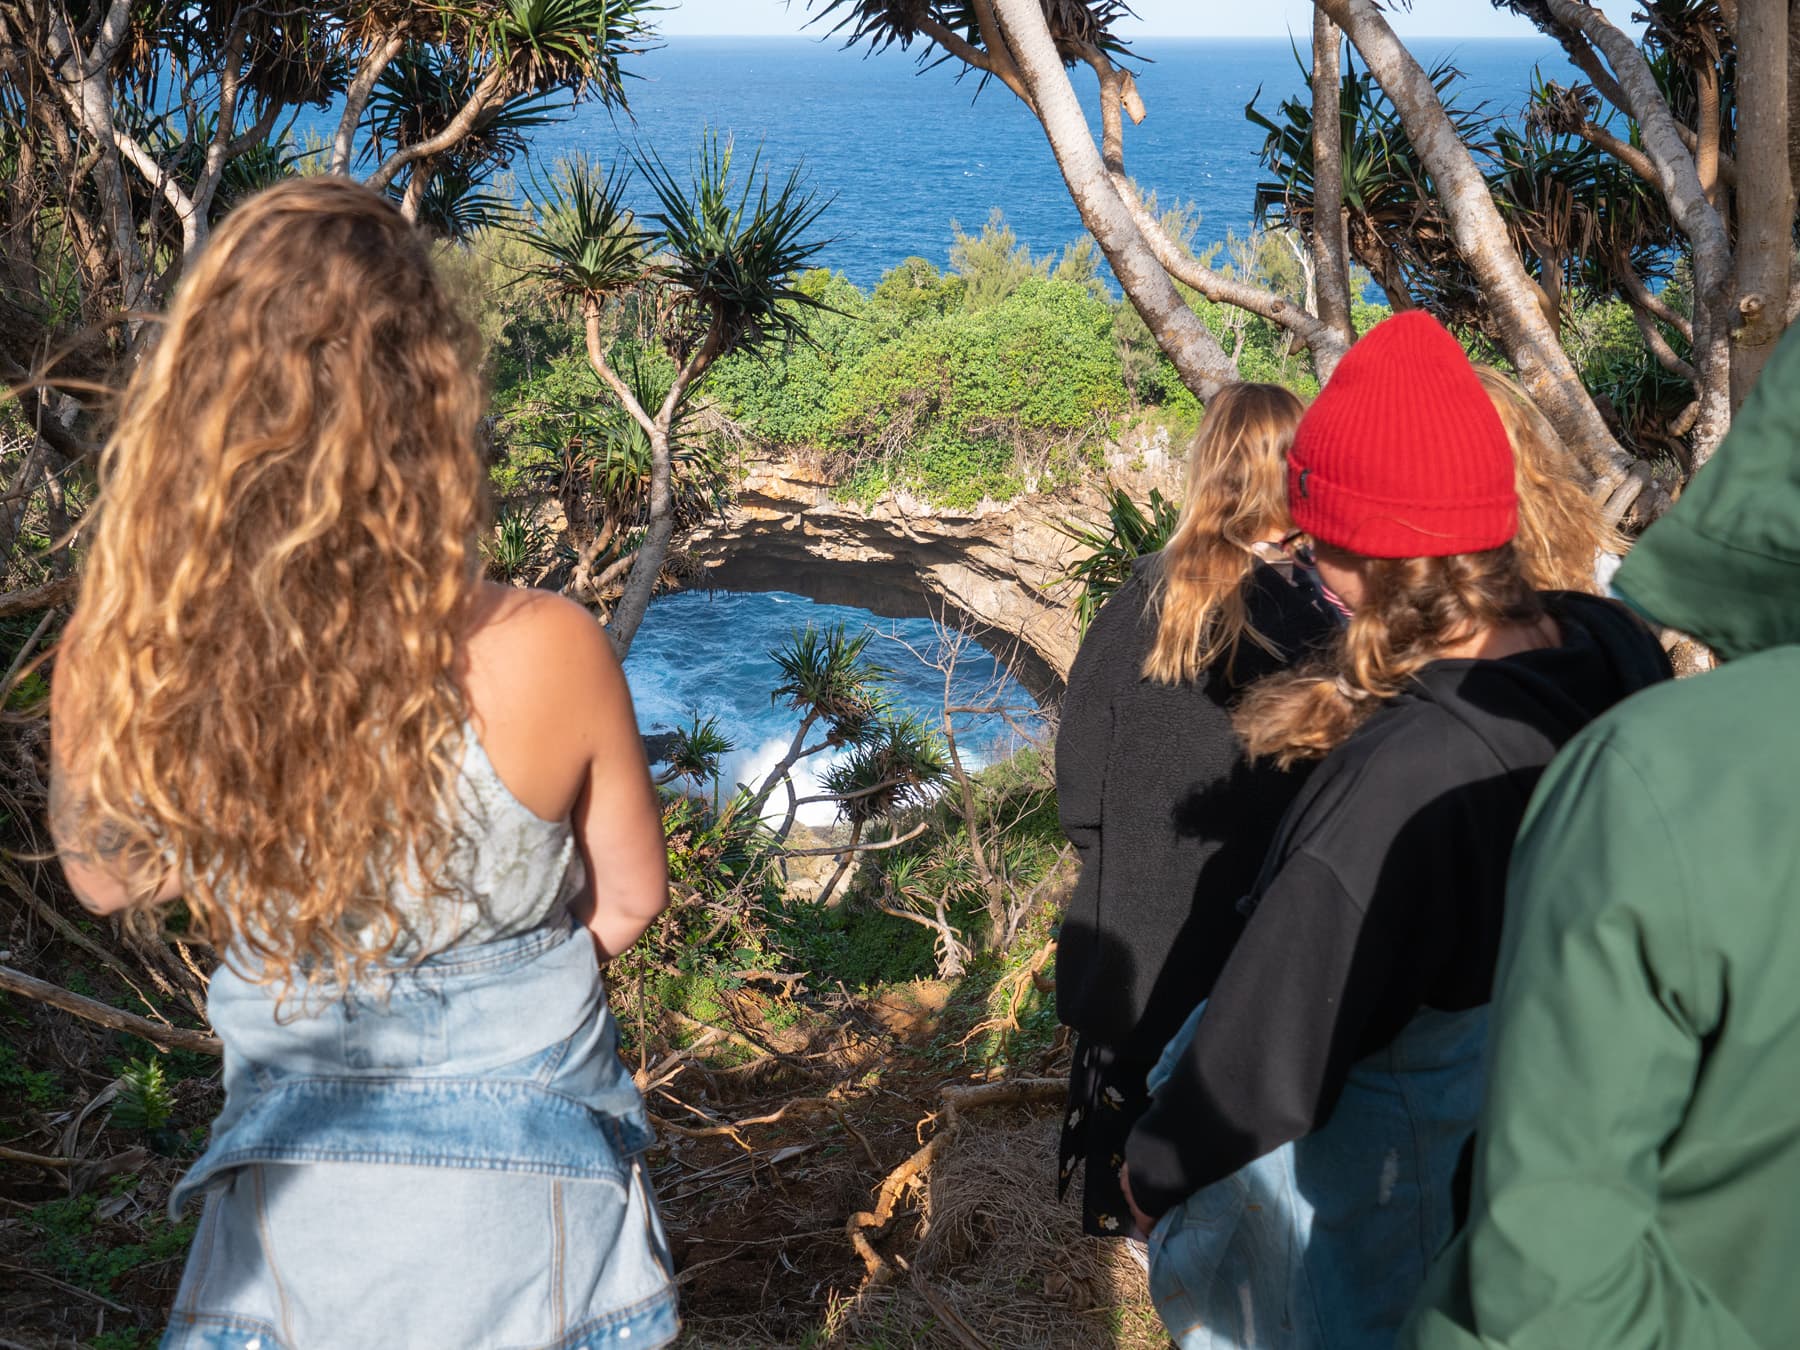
902 152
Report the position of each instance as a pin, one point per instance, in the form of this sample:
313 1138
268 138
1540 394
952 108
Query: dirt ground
771 1141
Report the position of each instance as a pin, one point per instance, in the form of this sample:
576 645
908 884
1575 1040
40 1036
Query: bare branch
1665 355
17 982
457 128
356 99
1623 151
1641 297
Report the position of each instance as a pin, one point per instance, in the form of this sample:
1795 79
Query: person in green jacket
1637 1171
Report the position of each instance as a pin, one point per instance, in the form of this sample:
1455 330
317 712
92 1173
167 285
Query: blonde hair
260 668
1236 496
1562 529
1412 609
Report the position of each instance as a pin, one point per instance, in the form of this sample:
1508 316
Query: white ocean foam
751 767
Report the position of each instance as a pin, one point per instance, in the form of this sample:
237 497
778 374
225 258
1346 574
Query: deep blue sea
903 152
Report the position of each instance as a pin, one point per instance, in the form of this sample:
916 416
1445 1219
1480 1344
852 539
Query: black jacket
1383 894
1169 821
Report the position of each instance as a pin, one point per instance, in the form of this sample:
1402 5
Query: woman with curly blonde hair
1295 1167
409 809
1169 821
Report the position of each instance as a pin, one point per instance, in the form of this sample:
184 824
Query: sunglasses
1298 545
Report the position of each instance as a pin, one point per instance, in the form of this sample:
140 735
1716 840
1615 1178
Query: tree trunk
1678 175
845 858
1765 195
1533 345
640 586
1330 244
1793 75
1187 342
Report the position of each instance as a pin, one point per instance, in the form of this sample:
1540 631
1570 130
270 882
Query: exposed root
914 1171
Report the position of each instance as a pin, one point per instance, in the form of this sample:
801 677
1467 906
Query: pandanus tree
901 765
712 271
128 128
1723 68
828 678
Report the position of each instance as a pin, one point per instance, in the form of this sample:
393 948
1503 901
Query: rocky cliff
993 569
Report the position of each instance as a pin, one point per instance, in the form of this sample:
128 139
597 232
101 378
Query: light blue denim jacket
454 1163
1324 1243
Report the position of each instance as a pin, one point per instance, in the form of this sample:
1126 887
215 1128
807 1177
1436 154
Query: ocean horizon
902 152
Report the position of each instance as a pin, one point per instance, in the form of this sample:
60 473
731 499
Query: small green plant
146 1105
1131 532
514 544
38 1086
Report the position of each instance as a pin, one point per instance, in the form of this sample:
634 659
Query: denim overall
1323 1243
449 1160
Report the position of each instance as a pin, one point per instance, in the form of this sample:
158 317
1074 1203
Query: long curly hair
1412 609
259 674
1236 496
1562 529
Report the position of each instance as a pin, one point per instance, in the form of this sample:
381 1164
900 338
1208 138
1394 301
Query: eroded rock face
995 568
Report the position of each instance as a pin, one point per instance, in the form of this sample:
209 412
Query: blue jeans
451 1161
1324 1243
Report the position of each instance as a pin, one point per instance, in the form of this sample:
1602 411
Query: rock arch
997 566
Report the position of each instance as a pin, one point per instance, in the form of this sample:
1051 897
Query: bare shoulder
545 692
536 640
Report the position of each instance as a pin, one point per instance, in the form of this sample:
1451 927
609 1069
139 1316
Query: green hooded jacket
1637 1169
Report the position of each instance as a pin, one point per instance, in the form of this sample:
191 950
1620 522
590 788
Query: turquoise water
708 652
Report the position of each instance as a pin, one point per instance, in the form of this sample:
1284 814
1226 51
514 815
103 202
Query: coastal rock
995 568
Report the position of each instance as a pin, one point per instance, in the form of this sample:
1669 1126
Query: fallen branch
19 886
34 598
35 1159
174 1038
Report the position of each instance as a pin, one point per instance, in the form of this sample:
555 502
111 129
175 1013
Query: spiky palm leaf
697 749
902 763
571 44
730 251
824 670
456 205
587 242
1129 534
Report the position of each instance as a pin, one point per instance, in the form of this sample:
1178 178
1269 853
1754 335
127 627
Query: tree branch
458 127
356 100
1666 356
876 847
1622 150
1189 344
92 1010
1641 297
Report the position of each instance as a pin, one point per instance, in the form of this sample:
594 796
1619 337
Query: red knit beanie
1402 455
